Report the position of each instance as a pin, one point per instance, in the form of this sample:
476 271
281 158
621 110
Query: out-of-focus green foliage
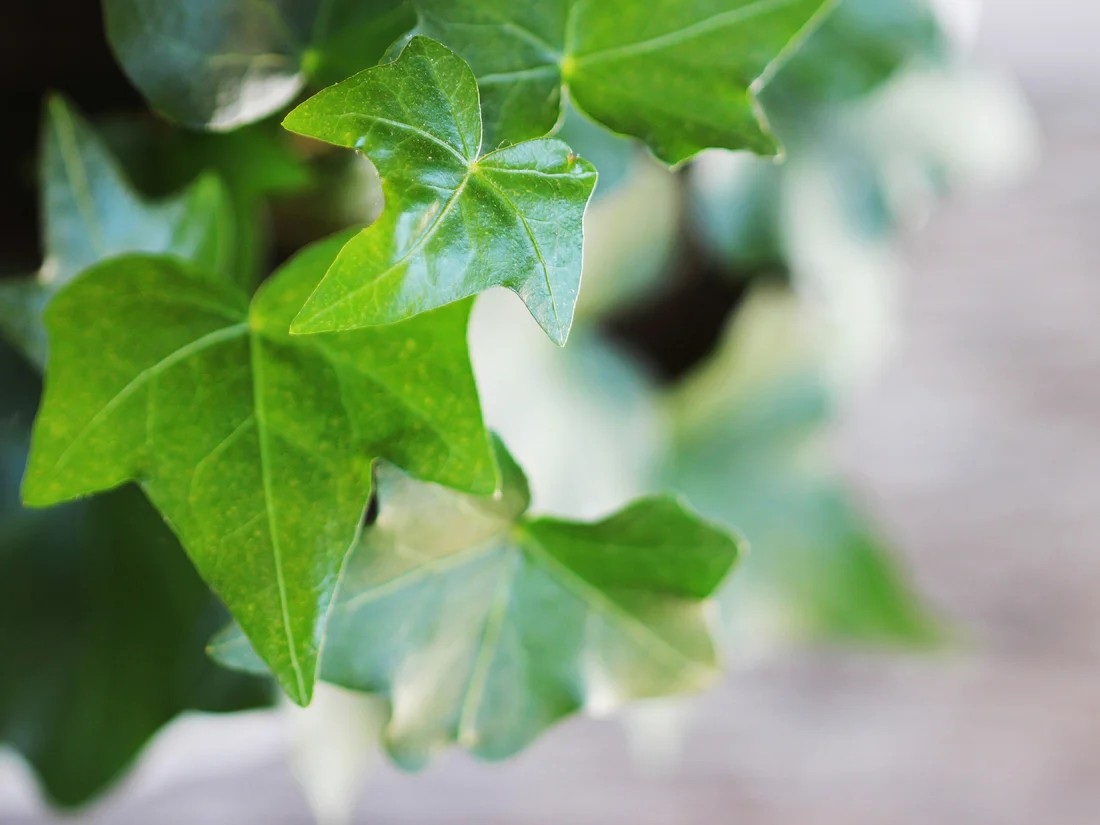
221 64
103 624
91 212
749 447
858 46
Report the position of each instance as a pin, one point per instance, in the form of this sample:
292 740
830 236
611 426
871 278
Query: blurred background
878 360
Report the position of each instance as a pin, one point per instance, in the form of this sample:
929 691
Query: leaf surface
92 213
256 446
221 64
102 624
680 75
485 626
457 221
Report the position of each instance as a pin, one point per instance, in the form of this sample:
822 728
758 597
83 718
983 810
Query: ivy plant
483 626
316 443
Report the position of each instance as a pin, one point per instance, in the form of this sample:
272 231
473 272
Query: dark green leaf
255 445
681 75
749 449
484 626
102 624
456 221
91 213
220 64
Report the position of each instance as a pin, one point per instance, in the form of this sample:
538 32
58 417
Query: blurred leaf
734 205
679 76
613 155
750 449
484 626
356 35
456 221
102 624
256 445
860 45
91 213
221 64
583 419
260 164
632 224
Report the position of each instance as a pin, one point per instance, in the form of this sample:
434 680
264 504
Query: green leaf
91 213
456 221
681 76
102 624
484 626
857 48
220 64
255 445
749 448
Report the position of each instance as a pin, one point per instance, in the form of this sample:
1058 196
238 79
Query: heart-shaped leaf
456 221
255 445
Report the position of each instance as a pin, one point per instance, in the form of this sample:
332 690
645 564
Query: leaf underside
484 627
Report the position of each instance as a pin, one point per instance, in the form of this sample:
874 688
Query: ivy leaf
221 64
749 448
102 624
456 221
681 76
256 446
92 213
484 626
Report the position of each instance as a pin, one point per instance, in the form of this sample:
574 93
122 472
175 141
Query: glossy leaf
255 445
749 448
102 624
221 64
681 76
456 221
92 213
485 626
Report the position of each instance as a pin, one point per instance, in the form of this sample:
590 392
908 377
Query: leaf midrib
260 411
600 602
534 245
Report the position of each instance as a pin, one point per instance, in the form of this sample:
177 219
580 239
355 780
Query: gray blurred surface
979 450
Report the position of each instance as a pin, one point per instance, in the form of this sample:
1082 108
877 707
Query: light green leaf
484 626
91 213
681 75
749 448
255 445
102 624
456 221
220 64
